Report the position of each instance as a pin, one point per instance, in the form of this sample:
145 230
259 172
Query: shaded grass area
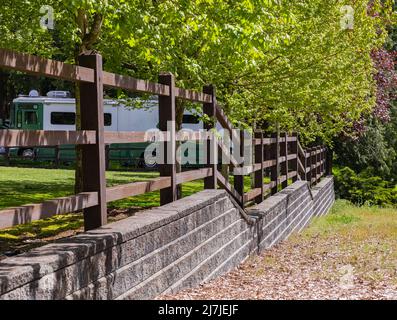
21 186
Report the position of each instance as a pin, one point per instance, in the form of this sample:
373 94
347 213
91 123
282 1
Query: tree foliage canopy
272 61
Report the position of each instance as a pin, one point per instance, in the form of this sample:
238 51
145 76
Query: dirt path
342 256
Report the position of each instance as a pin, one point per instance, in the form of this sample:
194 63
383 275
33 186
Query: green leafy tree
283 62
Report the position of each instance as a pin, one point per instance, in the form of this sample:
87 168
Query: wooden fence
279 155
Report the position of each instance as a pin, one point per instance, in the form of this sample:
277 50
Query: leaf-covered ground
349 254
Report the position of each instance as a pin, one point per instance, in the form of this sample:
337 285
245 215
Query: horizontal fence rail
44 67
35 138
278 159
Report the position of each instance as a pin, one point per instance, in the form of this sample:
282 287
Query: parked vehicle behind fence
57 112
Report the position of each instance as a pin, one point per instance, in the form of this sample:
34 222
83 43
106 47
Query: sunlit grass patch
20 186
43 228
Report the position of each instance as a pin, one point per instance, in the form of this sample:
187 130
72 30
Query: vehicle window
69 118
19 118
190 119
63 118
108 119
28 106
30 117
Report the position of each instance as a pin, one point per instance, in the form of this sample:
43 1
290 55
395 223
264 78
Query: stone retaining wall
162 250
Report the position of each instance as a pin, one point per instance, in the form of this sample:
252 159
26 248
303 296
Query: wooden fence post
329 159
212 146
7 156
306 165
259 158
275 155
318 164
294 148
107 156
284 167
57 157
167 123
322 161
93 156
239 179
309 166
313 168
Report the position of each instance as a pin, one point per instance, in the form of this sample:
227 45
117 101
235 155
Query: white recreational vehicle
56 111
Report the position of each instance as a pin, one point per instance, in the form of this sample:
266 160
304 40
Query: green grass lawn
21 186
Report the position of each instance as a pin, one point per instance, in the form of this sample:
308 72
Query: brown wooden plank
239 178
135 137
318 163
44 67
225 123
301 167
253 194
275 154
192 175
259 174
136 188
265 141
93 156
167 121
226 152
209 109
282 179
292 174
228 187
269 163
246 170
186 135
269 140
36 138
133 84
194 96
223 120
329 159
291 157
257 167
269 186
31 212
301 151
285 164
295 156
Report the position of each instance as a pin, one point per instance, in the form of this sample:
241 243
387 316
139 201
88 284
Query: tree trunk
3 95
